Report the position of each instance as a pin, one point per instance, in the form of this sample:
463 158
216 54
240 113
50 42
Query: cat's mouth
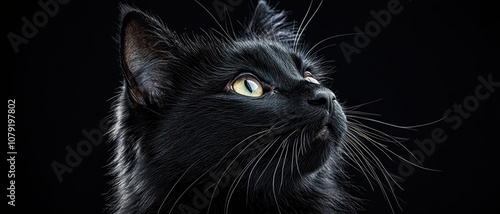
324 133
326 128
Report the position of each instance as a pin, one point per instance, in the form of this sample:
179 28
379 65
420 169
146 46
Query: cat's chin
324 142
331 128
324 133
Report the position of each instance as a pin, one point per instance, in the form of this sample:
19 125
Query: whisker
379 146
227 36
354 112
302 140
297 36
319 50
265 168
260 155
380 135
358 161
228 17
310 18
355 165
274 176
375 137
365 134
228 198
326 39
220 33
412 127
380 167
362 104
261 134
283 165
189 187
292 155
365 160
237 180
175 184
372 156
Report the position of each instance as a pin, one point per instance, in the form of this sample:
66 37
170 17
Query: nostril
317 101
322 98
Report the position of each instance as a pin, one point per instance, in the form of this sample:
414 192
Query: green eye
248 86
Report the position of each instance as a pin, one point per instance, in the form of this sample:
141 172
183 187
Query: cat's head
253 107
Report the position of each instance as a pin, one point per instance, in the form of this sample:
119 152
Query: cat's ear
270 23
146 48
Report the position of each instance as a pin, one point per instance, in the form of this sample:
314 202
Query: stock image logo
32 25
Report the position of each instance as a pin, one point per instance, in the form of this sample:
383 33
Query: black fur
184 142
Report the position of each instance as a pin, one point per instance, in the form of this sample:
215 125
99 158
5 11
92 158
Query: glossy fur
184 142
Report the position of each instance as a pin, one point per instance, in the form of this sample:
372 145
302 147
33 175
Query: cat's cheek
340 116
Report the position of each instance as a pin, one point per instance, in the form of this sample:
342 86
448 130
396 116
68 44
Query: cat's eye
309 77
248 86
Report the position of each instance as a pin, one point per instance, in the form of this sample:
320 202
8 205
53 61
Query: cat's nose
322 98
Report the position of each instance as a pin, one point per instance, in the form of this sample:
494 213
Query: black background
423 62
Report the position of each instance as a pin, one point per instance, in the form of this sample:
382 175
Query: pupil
250 85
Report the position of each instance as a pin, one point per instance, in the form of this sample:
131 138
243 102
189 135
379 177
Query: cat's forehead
268 58
263 48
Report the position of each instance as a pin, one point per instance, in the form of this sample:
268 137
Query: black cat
225 123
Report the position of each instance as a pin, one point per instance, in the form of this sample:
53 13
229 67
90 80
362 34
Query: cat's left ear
147 49
270 23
